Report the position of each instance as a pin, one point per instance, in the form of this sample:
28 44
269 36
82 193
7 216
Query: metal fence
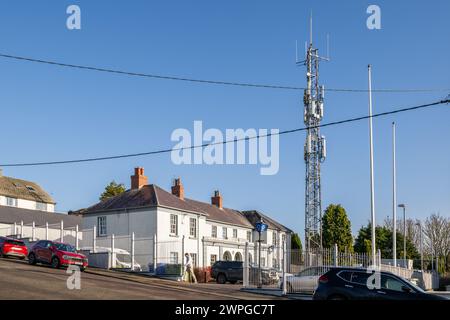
301 271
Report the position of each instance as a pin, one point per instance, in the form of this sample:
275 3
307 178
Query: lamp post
404 231
394 198
372 192
421 245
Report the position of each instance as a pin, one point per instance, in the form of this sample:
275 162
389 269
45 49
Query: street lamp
421 245
402 205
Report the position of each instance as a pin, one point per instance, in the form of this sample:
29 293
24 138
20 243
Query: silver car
305 281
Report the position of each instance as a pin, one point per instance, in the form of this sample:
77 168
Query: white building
24 194
208 231
27 211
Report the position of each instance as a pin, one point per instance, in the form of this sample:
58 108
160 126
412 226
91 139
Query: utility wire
447 100
227 83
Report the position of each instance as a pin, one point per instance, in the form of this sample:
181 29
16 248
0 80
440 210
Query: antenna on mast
310 28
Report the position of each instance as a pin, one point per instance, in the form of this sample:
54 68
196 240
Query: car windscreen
65 247
15 242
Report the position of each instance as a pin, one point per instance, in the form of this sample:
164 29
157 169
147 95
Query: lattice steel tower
315 146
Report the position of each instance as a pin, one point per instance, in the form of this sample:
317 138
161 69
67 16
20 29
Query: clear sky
52 113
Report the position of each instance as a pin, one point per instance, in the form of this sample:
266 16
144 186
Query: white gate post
15 229
379 258
336 262
182 257
46 231
132 251
155 253
94 239
61 231
245 275
21 229
33 231
76 237
284 268
113 261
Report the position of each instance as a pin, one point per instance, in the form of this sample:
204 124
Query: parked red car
56 254
13 248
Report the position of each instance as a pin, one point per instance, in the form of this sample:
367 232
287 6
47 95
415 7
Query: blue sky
52 113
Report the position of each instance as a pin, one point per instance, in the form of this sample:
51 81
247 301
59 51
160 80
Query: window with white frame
274 238
194 259
263 261
283 237
274 263
174 257
235 235
249 236
41 206
174 224
225 233
101 223
213 259
12 202
193 227
213 231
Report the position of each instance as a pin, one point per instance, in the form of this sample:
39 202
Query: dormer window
30 188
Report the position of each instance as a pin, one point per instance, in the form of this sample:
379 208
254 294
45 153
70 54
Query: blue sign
261 227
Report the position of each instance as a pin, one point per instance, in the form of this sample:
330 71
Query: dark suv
354 283
233 271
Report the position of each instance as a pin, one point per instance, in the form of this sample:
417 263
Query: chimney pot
178 189
138 180
217 199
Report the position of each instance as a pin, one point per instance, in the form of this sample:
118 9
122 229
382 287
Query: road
19 280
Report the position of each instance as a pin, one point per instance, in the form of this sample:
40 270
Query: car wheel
221 279
337 297
55 262
32 259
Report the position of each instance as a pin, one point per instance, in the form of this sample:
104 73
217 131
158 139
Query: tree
336 228
111 190
296 243
383 241
436 231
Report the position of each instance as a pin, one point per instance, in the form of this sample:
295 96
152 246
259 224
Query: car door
44 252
357 287
237 270
394 289
310 279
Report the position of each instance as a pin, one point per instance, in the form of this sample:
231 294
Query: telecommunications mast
315 146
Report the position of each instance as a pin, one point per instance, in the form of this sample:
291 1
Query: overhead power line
222 142
215 82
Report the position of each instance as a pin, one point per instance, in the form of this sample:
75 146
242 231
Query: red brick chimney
217 199
138 180
178 189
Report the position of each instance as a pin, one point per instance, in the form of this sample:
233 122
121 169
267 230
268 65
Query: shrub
203 275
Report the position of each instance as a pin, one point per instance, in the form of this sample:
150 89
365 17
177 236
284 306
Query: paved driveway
19 280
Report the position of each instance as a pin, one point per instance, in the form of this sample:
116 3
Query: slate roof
22 189
152 196
9 215
255 216
222 215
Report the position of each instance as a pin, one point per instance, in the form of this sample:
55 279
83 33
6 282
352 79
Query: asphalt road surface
19 280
